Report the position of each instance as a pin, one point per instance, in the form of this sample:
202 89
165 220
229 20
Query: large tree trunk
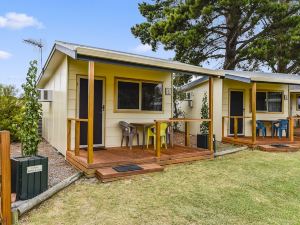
233 31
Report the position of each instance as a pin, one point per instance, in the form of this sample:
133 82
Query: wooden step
108 174
286 148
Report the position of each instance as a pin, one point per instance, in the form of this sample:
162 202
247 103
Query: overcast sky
104 23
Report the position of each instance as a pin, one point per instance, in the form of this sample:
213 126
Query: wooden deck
263 141
119 156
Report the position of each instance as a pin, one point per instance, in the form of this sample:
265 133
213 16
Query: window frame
297 106
140 82
267 103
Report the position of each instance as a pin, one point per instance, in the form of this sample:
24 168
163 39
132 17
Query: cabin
92 90
249 108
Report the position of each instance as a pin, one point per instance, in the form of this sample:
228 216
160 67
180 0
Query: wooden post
235 126
157 128
6 177
187 134
91 112
211 112
223 125
77 137
291 130
69 122
253 105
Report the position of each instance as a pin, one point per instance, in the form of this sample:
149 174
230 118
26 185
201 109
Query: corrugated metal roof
248 77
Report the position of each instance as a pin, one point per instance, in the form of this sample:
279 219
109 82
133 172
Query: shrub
10 111
32 113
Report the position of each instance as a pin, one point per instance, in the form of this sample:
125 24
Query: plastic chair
163 135
261 126
128 132
283 126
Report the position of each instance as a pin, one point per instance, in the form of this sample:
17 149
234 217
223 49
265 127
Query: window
152 97
298 102
139 95
128 95
269 101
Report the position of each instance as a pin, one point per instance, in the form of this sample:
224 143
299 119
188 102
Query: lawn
249 187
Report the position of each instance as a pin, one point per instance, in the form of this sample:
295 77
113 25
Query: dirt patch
59 169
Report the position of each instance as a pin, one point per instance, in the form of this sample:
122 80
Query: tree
209 30
204 115
10 111
277 49
32 113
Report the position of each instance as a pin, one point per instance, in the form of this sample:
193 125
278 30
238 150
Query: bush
10 111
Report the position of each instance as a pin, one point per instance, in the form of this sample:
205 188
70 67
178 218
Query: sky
104 24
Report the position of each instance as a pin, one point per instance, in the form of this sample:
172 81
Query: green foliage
10 111
221 31
204 115
277 48
32 113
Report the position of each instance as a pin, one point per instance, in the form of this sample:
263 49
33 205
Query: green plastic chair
163 135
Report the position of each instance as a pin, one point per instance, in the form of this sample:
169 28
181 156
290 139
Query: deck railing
187 131
236 121
235 124
5 211
77 122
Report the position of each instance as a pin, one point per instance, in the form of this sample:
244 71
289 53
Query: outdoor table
272 122
144 127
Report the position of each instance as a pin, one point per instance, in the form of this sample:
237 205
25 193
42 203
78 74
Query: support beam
77 137
291 130
253 105
211 113
235 126
69 123
91 80
6 177
157 139
187 134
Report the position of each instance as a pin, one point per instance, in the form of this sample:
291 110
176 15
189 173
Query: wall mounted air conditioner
45 95
189 99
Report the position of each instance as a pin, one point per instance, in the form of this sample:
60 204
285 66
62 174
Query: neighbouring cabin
244 101
94 89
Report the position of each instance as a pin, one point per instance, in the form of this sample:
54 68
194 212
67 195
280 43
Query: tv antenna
36 43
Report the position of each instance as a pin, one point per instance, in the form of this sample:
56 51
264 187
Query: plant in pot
202 138
30 171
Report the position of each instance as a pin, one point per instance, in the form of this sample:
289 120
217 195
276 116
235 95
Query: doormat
127 168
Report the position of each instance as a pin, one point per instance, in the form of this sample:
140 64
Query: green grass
244 188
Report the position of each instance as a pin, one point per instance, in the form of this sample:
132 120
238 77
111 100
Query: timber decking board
108 173
119 156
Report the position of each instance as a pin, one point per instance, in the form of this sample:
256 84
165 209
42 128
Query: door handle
103 108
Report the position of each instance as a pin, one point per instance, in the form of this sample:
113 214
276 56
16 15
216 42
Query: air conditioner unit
45 95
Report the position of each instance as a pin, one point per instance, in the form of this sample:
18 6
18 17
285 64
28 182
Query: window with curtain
152 97
269 101
139 95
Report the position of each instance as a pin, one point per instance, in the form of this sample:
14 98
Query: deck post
6 177
91 78
235 126
223 121
291 130
211 122
157 128
69 122
77 137
187 134
253 105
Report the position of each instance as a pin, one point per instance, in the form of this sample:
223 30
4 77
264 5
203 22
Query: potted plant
202 138
30 171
